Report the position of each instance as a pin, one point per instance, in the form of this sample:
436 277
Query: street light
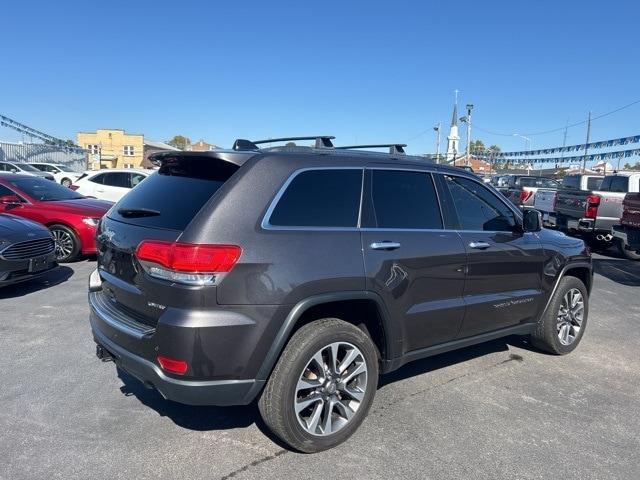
437 130
467 120
527 147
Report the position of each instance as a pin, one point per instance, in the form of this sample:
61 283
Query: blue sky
365 71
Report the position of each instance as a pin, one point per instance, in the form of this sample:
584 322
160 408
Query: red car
71 217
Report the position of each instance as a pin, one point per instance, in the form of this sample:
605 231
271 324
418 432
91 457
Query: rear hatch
158 209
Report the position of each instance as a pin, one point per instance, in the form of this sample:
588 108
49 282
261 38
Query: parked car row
585 205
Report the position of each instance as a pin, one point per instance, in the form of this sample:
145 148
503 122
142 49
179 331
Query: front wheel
322 387
67 245
561 328
66 182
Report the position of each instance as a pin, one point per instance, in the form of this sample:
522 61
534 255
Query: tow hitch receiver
103 354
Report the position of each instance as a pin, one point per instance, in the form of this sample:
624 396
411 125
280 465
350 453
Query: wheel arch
581 270
364 309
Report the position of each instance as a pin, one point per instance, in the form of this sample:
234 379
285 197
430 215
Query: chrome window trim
266 224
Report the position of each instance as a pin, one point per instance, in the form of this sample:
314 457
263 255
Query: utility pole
437 129
584 159
469 108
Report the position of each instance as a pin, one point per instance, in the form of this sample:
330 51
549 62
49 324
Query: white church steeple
453 140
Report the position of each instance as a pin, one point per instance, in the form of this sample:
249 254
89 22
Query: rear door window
327 198
615 183
117 179
403 199
175 194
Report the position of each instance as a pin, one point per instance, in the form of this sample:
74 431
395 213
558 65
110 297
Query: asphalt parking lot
499 410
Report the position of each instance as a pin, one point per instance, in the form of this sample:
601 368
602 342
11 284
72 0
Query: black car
26 249
296 275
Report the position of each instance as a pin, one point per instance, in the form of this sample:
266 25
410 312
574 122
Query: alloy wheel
570 316
330 389
64 243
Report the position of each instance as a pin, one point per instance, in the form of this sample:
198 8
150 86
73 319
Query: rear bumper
630 238
216 392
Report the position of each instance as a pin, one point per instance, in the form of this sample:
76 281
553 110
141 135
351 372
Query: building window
128 150
128 165
93 149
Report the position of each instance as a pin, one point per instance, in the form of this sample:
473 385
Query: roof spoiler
322 141
394 148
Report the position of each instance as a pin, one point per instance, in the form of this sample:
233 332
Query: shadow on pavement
444 360
625 272
49 279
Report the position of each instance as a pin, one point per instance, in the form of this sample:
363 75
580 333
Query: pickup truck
545 199
628 232
521 189
592 214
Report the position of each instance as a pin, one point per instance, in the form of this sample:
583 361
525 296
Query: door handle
479 245
385 245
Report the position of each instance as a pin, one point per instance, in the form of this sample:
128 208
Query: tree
179 141
477 147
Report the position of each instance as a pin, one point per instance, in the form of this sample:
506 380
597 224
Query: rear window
320 198
175 194
615 183
540 182
571 182
593 183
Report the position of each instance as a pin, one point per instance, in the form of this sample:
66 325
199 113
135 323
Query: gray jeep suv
297 275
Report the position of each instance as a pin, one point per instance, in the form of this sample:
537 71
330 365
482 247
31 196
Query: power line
583 122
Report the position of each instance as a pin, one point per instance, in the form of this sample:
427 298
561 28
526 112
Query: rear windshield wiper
137 212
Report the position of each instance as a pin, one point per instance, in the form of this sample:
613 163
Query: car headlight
92 222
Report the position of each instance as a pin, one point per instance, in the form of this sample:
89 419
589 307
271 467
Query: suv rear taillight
591 209
524 195
187 263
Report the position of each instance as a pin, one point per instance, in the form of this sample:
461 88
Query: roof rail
394 148
322 141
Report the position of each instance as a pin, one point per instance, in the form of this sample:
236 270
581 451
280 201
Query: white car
25 168
63 174
109 184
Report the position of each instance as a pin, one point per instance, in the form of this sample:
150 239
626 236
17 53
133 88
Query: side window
117 179
593 183
403 199
136 178
98 179
320 198
478 208
620 184
3 167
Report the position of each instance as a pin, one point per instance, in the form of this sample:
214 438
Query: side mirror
14 170
531 220
10 200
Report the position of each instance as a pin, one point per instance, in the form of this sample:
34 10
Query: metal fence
40 152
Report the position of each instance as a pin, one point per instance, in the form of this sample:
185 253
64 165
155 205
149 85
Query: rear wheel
561 328
322 387
628 254
67 245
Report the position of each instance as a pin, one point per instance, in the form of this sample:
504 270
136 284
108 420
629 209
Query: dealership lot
499 410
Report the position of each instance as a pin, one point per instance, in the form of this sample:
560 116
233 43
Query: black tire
628 254
277 401
66 182
546 336
65 252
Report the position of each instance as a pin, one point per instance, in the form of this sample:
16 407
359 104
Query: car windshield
44 190
27 168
